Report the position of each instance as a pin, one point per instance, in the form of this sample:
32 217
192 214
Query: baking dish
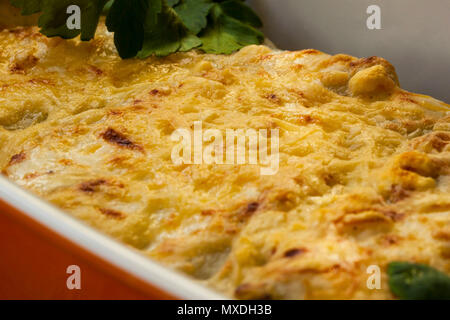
38 242
105 267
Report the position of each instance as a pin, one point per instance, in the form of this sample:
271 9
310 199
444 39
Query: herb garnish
154 27
418 282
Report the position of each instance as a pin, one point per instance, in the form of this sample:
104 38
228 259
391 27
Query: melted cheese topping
364 165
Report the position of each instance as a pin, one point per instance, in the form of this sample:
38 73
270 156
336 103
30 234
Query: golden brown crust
363 176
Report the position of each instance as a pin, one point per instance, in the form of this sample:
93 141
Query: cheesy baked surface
364 165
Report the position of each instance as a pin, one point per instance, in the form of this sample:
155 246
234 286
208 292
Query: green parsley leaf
169 35
238 10
193 13
418 282
129 19
226 34
54 16
154 27
107 7
28 7
172 3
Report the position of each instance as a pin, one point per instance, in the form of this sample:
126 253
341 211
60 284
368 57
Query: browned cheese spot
294 252
112 213
20 67
252 207
398 193
306 119
95 70
274 98
119 139
17 158
91 186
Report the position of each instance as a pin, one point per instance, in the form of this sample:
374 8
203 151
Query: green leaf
418 282
53 20
107 7
238 10
193 13
172 3
189 41
129 19
225 34
28 6
160 27
168 35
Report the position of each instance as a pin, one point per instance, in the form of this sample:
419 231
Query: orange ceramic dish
38 242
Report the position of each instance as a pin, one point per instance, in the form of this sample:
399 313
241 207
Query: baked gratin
364 174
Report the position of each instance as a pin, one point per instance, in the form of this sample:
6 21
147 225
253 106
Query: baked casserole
364 166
